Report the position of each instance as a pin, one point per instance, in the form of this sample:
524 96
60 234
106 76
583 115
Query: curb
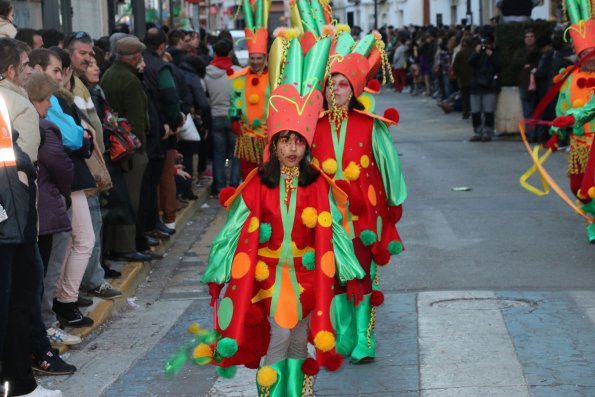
133 274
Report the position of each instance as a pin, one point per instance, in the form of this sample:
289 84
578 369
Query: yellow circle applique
329 166
365 161
254 224
365 100
239 103
238 84
253 99
315 162
261 272
564 106
325 219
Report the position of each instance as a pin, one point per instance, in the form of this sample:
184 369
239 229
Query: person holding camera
485 64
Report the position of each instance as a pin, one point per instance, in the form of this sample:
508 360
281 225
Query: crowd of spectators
113 137
460 66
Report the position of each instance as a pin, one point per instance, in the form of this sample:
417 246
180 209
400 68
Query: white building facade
400 13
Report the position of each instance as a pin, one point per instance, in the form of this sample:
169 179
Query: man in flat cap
125 93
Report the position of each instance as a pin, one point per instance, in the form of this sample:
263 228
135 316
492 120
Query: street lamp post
469 13
375 14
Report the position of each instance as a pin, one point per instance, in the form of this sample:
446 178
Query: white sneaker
171 225
40 391
56 335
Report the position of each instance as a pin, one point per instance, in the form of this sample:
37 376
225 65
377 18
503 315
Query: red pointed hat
355 68
290 111
257 40
583 35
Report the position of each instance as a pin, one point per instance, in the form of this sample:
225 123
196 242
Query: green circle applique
225 313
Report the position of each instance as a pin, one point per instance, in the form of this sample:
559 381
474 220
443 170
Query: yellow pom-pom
324 341
343 28
238 83
266 376
254 224
292 34
196 329
309 217
253 99
261 272
352 171
203 351
591 192
329 166
328 30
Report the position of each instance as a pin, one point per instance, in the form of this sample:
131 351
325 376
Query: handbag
96 164
188 131
122 142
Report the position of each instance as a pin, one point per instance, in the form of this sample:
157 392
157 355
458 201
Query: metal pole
160 12
375 14
469 13
171 14
111 16
138 15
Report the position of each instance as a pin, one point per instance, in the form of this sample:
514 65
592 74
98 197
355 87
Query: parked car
239 46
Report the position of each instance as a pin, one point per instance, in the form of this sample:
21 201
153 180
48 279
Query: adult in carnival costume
355 148
576 109
249 101
283 246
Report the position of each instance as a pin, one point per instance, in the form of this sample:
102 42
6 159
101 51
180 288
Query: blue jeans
94 273
224 142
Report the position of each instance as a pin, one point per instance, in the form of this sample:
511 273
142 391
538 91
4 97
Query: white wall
90 16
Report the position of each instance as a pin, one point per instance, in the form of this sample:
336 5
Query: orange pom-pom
374 85
392 114
280 32
328 30
382 256
225 194
376 298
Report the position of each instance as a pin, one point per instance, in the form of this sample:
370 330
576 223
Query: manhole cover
484 303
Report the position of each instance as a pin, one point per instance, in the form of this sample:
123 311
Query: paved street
493 297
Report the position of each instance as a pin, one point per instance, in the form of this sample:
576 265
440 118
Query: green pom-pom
395 247
368 237
309 260
175 363
227 347
228 372
265 232
256 123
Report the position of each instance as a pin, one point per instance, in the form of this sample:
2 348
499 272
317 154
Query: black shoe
84 302
153 242
111 273
475 138
164 229
486 138
153 255
69 314
51 364
105 291
132 257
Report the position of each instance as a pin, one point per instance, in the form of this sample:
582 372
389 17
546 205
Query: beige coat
7 29
23 117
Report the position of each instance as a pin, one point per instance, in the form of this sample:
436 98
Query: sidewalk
133 273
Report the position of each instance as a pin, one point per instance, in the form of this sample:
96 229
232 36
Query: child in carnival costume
283 245
355 148
249 101
576 109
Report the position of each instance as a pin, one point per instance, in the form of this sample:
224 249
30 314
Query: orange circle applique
372 195
578 103
327 264
240 265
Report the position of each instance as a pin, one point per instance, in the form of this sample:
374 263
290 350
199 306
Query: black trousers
21 275
148 212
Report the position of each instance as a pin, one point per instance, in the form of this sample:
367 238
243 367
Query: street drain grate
480 303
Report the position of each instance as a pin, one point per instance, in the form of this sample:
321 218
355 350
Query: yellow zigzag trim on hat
300 111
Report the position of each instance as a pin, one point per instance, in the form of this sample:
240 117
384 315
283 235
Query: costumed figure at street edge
249 101
355 148
284 245
576 109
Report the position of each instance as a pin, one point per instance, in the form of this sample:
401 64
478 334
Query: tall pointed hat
296 82
361 61
256 16
582 28
311 18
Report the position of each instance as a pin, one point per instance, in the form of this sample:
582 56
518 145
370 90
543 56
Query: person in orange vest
248 109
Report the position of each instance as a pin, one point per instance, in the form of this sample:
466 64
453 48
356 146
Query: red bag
122 142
